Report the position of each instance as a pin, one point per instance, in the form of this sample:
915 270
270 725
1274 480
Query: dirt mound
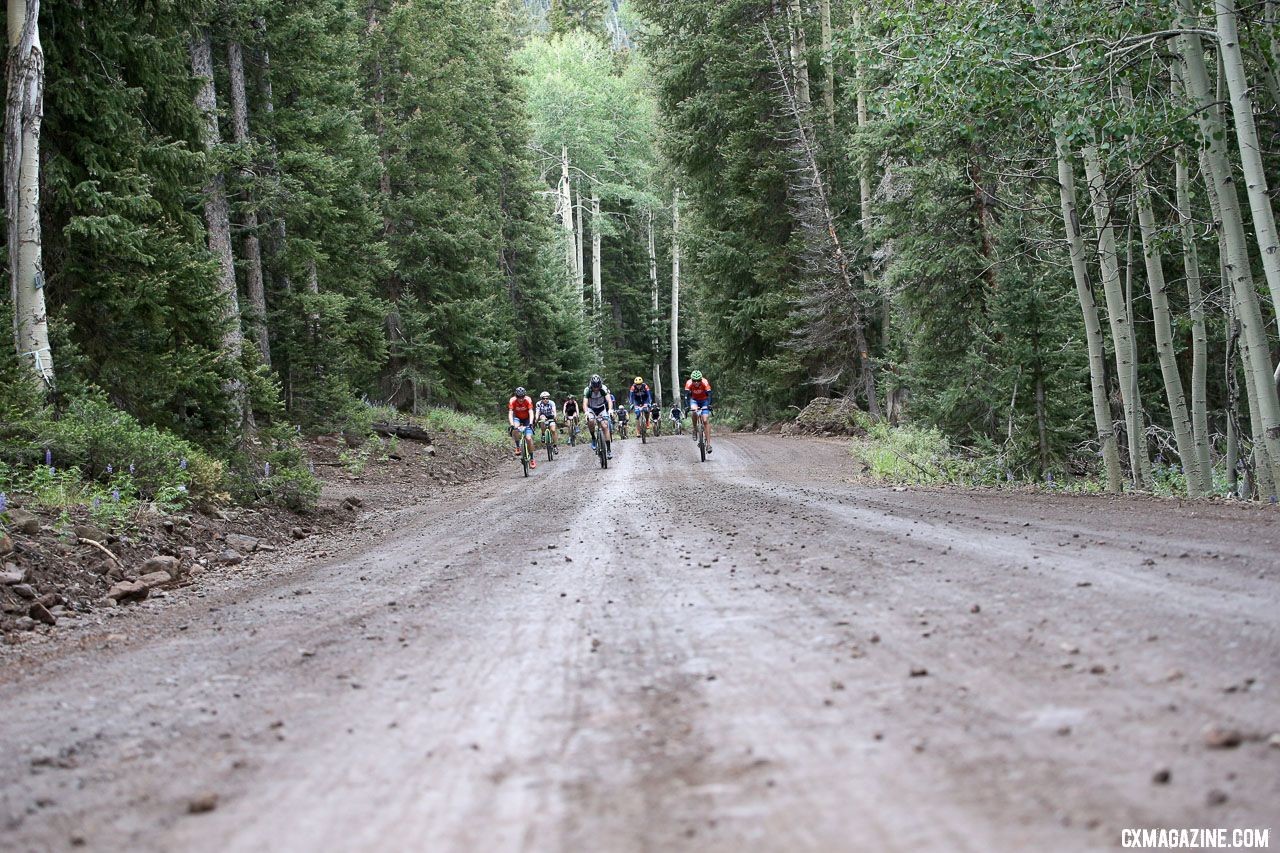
827 416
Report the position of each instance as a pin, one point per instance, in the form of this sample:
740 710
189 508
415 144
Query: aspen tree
1249 312
24 109
1117 313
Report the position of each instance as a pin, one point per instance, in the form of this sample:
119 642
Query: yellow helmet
639 380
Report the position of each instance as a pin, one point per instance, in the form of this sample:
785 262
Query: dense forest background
1036 235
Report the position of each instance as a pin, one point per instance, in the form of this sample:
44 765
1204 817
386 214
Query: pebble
202 804
87 531
241 543
1221 737
1162 776
40 613
24 522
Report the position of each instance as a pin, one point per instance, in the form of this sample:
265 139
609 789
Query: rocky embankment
57 570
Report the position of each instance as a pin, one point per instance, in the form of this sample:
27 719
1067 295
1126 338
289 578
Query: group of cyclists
600 410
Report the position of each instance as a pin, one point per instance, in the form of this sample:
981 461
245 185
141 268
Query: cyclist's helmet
596 381
545 395
520 392
639 380
696 376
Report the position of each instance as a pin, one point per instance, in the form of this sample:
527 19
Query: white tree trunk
252 247
579 243
799 52
1264 220
1263 476
1231 223
675 295
1117 313
24 109
217 214
565 207
1162 321
653 321
1088 308
1195 299
597 291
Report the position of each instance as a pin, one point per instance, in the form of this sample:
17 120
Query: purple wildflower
4 501
48 456
115 495
183 464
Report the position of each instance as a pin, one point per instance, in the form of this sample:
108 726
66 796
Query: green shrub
102 441
99 457
909 454
468 427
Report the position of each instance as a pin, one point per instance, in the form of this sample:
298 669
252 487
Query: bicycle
622 430
526 454
700 431
546 441
655 421
573 431
602 446
642 423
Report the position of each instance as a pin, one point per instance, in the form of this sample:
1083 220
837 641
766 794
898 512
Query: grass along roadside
467 427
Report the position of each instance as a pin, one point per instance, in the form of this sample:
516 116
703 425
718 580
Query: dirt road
670 655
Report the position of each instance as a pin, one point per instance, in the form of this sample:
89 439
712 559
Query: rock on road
751 654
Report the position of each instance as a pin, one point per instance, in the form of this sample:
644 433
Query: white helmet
545 395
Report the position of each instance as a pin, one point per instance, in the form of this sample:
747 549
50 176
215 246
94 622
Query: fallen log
406 431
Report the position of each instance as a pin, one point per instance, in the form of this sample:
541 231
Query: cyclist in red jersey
697 392
520 415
